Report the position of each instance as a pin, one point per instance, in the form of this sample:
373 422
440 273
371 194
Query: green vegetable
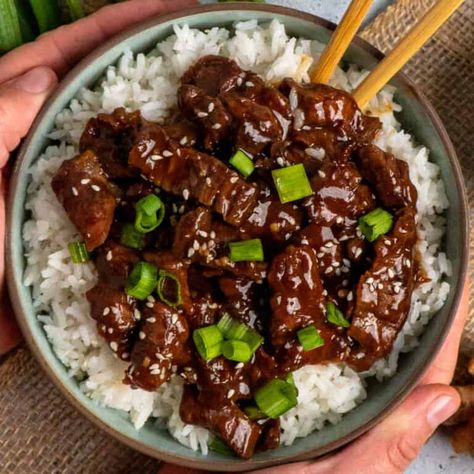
246 251
150 212
142 280
291 183
163 289
75 9
376 223
10 31
254 413
335 316
131 237
237 351
78 252
219 446
310 338
236 330
208 341
242 163
46 13
276 398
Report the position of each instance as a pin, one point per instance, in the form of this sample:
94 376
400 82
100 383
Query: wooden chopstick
404 50
340 40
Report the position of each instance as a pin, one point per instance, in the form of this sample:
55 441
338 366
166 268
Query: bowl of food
226 266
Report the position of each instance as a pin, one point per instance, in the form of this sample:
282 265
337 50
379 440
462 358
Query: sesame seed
234 179
196 245
190 252
125 355
149 304
407 263
95 188
350 296
210 107
249 84
390 273
216 126
239 365
74 191
380 286
186 194
151 320
328 270
358 252
174 319
320 255
322 174
106 311
387 242
110 330
85 181
328 245
370 280
239 81
137 314
336 264
108 256
230 393
202 114
141 335
114 346
167 153
396 289
183 141
340 220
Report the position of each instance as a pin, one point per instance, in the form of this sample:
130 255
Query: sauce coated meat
321 270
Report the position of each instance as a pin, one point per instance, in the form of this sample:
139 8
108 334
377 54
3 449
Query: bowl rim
232 465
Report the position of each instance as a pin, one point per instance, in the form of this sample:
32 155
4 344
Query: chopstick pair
394 61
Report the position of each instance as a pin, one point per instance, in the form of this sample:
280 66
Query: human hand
30 73
392 445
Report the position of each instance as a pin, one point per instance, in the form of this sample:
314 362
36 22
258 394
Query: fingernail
36 81
441 409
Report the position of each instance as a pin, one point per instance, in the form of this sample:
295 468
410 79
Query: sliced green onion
78 252
150 212
310 338
208 341
131 237
236 330
253 339
246 251
75 9
376 223
10 31
219 446
142 280
169 289
335 316
254 413
291 379
242 163
231 328
237 351
46 13
276 398
291 183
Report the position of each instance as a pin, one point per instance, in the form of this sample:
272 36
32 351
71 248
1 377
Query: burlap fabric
40 433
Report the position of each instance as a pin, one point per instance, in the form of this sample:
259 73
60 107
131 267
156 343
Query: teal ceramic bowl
418 117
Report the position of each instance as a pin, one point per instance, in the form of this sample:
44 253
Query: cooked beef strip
87 196
116 316
110 137
161 347
383 296
388 175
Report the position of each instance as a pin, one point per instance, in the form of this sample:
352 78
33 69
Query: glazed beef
87 196
384 292
161 347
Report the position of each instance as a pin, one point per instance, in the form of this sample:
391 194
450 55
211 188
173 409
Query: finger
10 335
442 369
170 469
20 100
65 46
393 444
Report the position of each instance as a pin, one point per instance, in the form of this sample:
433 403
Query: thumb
20 100
393 444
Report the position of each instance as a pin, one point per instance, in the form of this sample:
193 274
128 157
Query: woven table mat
41 433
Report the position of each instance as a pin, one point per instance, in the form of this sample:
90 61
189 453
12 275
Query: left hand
29 74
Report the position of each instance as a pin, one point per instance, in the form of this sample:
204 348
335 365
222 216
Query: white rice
148 83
